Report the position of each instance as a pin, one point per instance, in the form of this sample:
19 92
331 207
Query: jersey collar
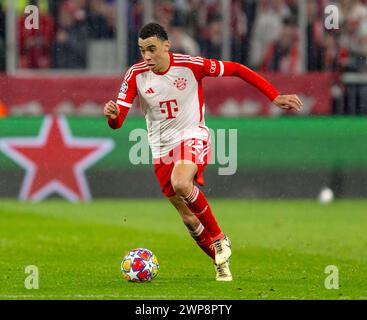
169 67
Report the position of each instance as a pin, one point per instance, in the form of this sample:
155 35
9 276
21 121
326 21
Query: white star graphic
55 161
133 275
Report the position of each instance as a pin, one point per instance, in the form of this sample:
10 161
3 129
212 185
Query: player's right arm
116 112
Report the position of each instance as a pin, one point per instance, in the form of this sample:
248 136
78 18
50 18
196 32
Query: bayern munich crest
180 83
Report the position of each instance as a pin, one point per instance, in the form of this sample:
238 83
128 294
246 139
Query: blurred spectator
293 7
164 13
267 28
181 42
2 37
35 44
362 41
135 22
238 31
314 35
195 28
100 20
353 37
54 6
211 44
283 54
333 56
70 49
192 13
249 9
2 19
110 14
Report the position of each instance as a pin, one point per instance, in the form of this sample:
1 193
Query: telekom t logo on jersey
169 107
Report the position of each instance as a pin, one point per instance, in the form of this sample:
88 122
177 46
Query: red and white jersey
172 102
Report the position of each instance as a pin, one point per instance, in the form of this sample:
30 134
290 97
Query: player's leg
193 224
182 178
201 236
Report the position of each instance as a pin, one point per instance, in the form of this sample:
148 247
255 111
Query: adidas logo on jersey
150 90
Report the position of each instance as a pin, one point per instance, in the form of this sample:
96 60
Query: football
139 265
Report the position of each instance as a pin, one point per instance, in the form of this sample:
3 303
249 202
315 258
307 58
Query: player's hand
288 102
111 109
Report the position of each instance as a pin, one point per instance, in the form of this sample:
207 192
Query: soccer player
169 86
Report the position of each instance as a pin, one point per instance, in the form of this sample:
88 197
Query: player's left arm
283 101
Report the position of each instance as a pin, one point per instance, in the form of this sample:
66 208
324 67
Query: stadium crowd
265 33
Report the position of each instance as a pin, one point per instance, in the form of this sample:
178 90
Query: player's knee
181 186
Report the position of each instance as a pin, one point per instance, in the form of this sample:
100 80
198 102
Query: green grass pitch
280 249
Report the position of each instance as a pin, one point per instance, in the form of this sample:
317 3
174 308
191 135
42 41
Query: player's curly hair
153 30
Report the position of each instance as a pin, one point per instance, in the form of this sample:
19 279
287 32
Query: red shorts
196 150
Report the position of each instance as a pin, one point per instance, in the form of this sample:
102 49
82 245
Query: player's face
155 53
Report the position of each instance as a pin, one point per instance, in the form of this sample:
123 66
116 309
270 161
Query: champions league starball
140 265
